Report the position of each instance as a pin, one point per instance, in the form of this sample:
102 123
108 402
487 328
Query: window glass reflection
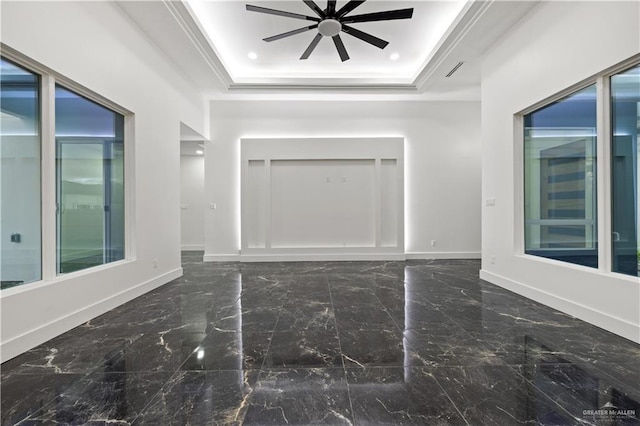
20 230
90 183
625 117
560 180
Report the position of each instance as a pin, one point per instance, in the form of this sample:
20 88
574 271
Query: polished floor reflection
421 342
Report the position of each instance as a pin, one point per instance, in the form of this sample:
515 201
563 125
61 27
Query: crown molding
374 88
185 18
467 18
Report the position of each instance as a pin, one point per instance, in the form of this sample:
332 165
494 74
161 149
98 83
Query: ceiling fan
330 22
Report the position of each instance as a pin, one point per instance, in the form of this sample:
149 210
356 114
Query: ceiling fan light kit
330 23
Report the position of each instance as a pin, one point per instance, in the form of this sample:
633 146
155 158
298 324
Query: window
90 182
625 206
87 144
20 208
560 180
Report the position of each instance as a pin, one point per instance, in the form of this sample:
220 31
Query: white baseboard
221 257
304 257
444 255
37 336
610 323
342 256
192 247
322 257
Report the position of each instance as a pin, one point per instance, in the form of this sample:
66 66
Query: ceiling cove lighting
330 22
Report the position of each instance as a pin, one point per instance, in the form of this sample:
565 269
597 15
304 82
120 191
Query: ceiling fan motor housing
329 27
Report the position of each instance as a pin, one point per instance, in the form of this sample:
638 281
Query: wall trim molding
615 325
20 344
221 257
192 247
444 255
322 257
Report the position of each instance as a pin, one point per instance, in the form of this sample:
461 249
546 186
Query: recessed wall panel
256 204
323 203
389 200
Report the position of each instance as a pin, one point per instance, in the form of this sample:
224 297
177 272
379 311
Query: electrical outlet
433 243
492 259
155 263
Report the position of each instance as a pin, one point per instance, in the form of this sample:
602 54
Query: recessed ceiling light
394 56
199 152
253 55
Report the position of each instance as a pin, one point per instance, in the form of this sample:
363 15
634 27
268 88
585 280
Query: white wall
315 198
192 202
442 164
95 45
557 45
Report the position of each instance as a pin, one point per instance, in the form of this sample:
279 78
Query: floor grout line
344 367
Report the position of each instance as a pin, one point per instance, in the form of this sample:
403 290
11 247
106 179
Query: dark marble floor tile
25 394
626 376
300 396
201 398
224 350
103 398
304 349
257 318
446 350
79 353
588 344
309 281
522 345
583 390
162 351
302 293
308 316
497 395
359 317
388 284
265 284
353 296
391 299
396 395
428 326
372 348
263 298
346 281
424 342
418 312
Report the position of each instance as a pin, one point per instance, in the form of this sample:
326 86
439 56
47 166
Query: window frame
48 80
603 193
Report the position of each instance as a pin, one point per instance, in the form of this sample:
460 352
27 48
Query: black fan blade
290 33
378 42
315 8
341 50
331 7
312 46
380 16
348 7
253 8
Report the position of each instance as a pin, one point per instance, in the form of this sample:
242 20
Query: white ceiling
235 32
208 41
